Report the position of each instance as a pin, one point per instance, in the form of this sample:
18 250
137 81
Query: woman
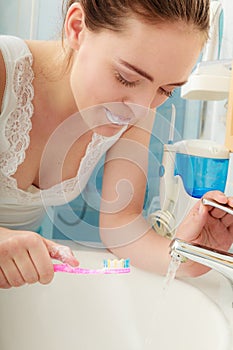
65 104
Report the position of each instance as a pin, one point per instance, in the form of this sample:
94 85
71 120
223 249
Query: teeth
116 119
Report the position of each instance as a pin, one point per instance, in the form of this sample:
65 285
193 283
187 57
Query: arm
124 230
122 227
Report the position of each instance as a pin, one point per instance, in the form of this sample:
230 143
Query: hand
208 226
25 257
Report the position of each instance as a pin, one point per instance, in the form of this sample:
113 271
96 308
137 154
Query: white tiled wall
214 126
227 46
49 23
15 17
34 19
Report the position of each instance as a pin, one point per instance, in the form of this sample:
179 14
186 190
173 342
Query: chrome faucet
215 259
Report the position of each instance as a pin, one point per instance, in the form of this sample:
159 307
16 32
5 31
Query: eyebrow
178 84
146 75
137 70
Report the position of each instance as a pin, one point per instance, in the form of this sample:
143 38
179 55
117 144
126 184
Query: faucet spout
217 260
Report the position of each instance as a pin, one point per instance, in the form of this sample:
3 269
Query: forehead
171 48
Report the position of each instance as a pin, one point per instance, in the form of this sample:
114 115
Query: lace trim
19 123
96 148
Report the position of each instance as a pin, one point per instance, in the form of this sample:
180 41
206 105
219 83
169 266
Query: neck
52 79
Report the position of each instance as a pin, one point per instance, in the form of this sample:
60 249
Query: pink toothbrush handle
83 271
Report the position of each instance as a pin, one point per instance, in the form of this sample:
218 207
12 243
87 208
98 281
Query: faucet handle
215 204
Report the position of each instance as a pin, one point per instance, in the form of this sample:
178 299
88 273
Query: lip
117 119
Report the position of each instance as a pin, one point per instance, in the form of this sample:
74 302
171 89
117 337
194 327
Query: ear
74 25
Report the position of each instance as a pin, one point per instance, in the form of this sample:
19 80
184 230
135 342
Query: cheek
92 80
81 86
91 87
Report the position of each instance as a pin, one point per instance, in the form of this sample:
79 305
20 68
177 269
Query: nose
147 100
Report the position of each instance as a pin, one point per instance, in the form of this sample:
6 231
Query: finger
217 213
193 224
39 256
12 274
230 201
62 253
27 268
217 195
4 284
227 220
218 198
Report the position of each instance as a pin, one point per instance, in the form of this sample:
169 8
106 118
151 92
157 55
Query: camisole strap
17 108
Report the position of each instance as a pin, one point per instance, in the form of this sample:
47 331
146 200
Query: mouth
117 119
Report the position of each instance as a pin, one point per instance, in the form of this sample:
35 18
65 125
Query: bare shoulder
3 78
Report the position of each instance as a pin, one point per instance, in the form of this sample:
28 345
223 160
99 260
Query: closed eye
166 92
124 81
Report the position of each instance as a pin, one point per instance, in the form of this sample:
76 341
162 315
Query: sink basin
110 312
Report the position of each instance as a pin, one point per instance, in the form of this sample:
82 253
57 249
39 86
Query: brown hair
111 14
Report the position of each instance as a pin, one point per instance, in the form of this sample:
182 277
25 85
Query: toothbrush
110 267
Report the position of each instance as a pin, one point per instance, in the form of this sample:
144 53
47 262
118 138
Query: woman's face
117 77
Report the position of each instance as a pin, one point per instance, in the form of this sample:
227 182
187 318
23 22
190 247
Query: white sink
110 312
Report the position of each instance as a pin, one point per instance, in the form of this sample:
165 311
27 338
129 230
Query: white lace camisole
21 209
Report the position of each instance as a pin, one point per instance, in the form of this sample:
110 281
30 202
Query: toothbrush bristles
116 264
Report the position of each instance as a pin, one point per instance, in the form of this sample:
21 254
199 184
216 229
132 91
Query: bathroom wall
214 120
31 19
15 17
207 120
227 42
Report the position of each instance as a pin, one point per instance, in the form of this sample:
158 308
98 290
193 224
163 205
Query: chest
53 156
